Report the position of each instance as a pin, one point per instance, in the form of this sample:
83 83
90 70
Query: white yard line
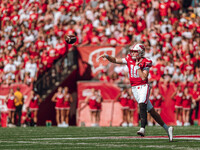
122 144
119 137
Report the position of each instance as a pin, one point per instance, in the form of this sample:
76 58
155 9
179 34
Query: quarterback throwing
138 74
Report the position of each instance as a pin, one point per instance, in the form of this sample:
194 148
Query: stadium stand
32 38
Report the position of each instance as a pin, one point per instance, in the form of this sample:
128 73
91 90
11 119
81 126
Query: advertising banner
89 58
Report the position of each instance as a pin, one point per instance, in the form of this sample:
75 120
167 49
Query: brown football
71 39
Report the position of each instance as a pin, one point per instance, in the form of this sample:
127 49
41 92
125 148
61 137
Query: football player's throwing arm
112 59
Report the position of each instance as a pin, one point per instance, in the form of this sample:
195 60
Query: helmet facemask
139 48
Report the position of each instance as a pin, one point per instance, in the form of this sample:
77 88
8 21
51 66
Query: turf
91 138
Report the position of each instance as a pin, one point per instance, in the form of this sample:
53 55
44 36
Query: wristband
137 67
107 56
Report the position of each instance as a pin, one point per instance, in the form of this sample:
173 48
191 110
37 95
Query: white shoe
11 125
170 133
186 124
141 132
63 124
150 123
177 122
93 125
124 124
59 125
130 124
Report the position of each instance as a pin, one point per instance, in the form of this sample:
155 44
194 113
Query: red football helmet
139 48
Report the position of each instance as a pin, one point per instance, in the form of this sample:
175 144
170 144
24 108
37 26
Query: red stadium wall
111 111
111 114
4 91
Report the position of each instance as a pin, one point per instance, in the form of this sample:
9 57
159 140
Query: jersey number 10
134 72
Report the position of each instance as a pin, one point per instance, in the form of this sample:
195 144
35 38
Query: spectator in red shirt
164 8
61 47
59 31
140 24
112 40
154 76
175 7
104 77
124 40
85 39
94 38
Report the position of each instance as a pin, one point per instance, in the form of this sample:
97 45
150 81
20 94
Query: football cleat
170 133
141 132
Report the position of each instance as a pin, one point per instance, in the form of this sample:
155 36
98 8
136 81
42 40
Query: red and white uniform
10 103
195 94
34 103
99 103
99 106
187 100
179 100
124 100
93 103
67 103
158 102
140 88
133 74
163 8
131 103
60 101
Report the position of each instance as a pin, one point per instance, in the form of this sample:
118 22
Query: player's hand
103 56
138 62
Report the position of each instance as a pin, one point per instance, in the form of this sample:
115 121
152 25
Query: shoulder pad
128 57
147 62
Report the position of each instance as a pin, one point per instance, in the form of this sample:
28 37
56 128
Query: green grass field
94 138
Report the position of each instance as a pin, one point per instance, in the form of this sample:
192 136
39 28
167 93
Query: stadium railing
56 74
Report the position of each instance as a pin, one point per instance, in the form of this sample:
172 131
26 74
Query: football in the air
71 39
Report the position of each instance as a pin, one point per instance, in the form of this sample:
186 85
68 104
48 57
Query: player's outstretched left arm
112 59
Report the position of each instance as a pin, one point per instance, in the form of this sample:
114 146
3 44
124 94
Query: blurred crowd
32 34
170 33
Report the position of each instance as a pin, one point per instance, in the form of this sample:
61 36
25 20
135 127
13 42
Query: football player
138 67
